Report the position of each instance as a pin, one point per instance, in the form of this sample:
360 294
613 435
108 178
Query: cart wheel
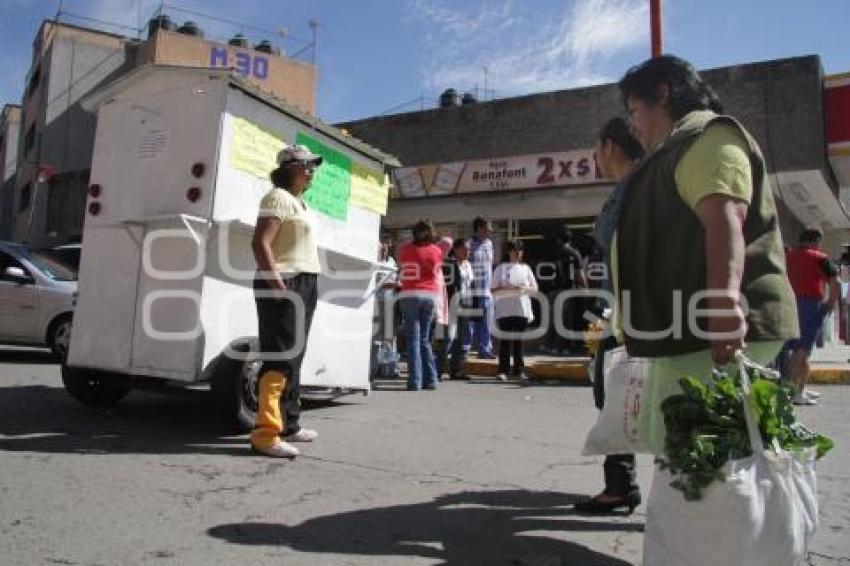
234 386
92 388
59 337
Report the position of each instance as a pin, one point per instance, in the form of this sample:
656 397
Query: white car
37 296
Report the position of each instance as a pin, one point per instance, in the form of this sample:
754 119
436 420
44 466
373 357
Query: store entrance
538 237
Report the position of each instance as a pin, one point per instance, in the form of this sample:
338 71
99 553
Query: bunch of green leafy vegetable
706 428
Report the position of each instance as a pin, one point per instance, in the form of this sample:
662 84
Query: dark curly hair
688 92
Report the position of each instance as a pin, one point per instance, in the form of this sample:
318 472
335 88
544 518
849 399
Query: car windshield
51 265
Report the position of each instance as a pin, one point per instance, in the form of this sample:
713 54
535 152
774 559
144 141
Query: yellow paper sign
253 149
369 189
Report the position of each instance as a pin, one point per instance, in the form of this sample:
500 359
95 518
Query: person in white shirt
511 284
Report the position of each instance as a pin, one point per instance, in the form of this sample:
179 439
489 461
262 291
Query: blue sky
375 55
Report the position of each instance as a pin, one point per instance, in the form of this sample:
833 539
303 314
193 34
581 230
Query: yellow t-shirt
716 163
294 246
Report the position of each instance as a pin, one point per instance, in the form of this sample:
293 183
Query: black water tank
468 98
160 22
239 40
190 28
265 46
448 98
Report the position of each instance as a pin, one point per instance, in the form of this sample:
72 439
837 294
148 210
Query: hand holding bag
616 428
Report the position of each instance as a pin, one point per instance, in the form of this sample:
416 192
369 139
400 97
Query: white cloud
526 50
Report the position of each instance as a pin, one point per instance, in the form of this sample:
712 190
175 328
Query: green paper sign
330 189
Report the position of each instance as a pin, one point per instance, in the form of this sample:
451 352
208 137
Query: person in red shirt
811 273
420 270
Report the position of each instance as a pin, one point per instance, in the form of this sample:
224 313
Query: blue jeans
460 345
481 328
419 313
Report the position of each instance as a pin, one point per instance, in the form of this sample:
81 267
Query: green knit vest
662 257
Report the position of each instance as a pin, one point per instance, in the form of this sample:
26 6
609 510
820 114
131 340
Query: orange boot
265 438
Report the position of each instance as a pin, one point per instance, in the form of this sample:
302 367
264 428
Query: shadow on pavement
27 356
491 527
38 418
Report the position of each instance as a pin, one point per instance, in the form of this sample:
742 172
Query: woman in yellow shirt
285 290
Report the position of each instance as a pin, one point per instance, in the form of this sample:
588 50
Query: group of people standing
453 286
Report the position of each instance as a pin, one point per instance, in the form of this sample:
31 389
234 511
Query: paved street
474 473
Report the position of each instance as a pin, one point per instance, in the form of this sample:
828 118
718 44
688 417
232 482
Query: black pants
279 329
508 346
619 469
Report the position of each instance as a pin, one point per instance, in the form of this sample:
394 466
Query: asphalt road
475 473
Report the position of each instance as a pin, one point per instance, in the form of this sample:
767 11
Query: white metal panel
228 312
147 140
168 332
148 137
339 344
103 318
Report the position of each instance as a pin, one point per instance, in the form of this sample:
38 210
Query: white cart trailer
181 161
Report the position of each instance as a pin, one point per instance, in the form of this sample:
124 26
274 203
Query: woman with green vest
698 264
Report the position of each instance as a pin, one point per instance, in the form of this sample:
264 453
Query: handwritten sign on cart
330 189
369 189
253 149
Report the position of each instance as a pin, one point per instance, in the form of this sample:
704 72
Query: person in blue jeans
457 271
481 257
420 275
418 313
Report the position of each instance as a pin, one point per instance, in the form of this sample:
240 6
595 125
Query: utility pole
485 82
656 27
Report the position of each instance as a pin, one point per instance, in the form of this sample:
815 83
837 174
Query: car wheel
92 388
234 386
60 338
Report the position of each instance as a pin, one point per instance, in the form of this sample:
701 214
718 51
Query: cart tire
92 388
233 385
59 337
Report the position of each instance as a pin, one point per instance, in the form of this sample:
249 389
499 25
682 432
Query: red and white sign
501 174
838 125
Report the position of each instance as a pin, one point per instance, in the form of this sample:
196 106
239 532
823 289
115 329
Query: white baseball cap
296 153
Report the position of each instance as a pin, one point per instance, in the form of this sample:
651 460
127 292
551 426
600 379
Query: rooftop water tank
159 22
190 28
265 46
448 98
468 98
239 40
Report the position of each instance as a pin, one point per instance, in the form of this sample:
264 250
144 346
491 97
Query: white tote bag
764 514
616 428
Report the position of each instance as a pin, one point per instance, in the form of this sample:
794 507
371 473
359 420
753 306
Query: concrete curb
573 372
830 376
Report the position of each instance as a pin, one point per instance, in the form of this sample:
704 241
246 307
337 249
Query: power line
233 23
420 100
